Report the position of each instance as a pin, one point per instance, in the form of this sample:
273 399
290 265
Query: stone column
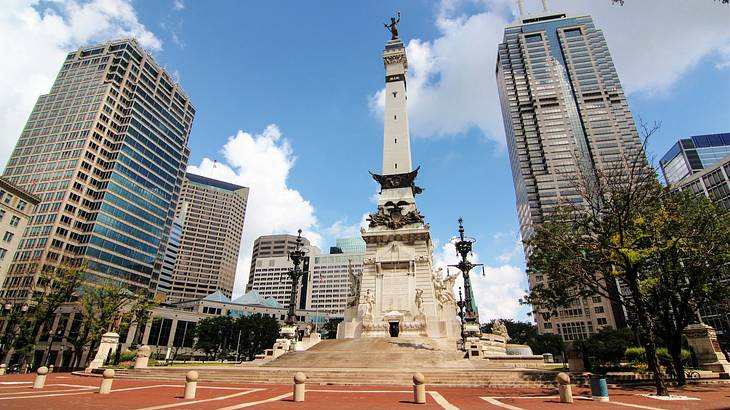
703 340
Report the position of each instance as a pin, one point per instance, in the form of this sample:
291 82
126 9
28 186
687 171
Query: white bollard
3 368
191 384
50 369
299 379
564 388
419 389
40 377
106 381
143 356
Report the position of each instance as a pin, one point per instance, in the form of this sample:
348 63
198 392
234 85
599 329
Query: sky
287 98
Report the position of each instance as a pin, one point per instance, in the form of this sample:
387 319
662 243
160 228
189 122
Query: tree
547 343
585 248
103 307
330 328
692 237
212 333
57 286
607 346
258 333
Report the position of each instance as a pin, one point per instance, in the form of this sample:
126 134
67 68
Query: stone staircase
367 361
495 378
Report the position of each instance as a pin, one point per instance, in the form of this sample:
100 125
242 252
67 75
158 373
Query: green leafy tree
55 287
330 328
691 235
213 335
102 308
547 343
583 248
258 333
607 347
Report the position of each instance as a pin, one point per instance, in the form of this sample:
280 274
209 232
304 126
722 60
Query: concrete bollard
40 377
143 357
564 388
106 381
191 384
419 389
3 368
299 379
50 369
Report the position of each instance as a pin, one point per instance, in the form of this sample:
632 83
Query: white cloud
262 162
341 229
497 293
516 252
35 38
178 5
653 46
452 86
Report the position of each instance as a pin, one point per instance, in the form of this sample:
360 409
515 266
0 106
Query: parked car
13 368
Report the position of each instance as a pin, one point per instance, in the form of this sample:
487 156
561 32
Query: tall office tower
106 150
691 155
16 207
351 245
714 183
268 246
270 278
329 281
212 214
564 111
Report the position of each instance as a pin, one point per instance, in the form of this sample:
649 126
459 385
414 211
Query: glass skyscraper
564 112
106 150
691 155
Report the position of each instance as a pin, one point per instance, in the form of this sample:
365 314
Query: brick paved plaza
66 391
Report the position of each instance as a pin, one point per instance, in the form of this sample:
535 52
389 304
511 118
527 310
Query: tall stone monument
398 293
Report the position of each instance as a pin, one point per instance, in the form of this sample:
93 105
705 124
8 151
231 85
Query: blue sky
286 97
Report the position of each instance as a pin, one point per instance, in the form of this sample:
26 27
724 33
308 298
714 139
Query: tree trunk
647 336
675 350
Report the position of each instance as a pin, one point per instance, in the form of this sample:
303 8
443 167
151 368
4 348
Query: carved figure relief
355 280
419 301
391 215
369 305
498 328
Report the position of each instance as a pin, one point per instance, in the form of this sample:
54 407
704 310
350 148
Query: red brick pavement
65 391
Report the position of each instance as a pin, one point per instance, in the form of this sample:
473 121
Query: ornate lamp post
469 317
296 256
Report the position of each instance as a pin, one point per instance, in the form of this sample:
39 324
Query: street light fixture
296 256
470 317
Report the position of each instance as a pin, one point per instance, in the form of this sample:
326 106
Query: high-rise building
16 207
329 281
714 183
269 246
351 245
211 213
106 151
270 278
564 111
691 155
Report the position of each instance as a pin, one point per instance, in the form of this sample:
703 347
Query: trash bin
599 388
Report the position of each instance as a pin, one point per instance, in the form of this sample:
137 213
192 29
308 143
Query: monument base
703 340
107 347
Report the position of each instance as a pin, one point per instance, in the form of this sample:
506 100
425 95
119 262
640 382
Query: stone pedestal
703 340
107 347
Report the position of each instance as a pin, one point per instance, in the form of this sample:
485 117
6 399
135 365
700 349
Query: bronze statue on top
393 27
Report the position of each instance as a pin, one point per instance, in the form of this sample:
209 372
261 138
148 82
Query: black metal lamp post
463 246
296 256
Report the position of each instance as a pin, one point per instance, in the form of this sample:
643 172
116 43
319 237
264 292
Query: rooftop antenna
521 7
545 6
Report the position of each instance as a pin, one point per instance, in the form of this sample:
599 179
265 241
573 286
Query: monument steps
495 378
